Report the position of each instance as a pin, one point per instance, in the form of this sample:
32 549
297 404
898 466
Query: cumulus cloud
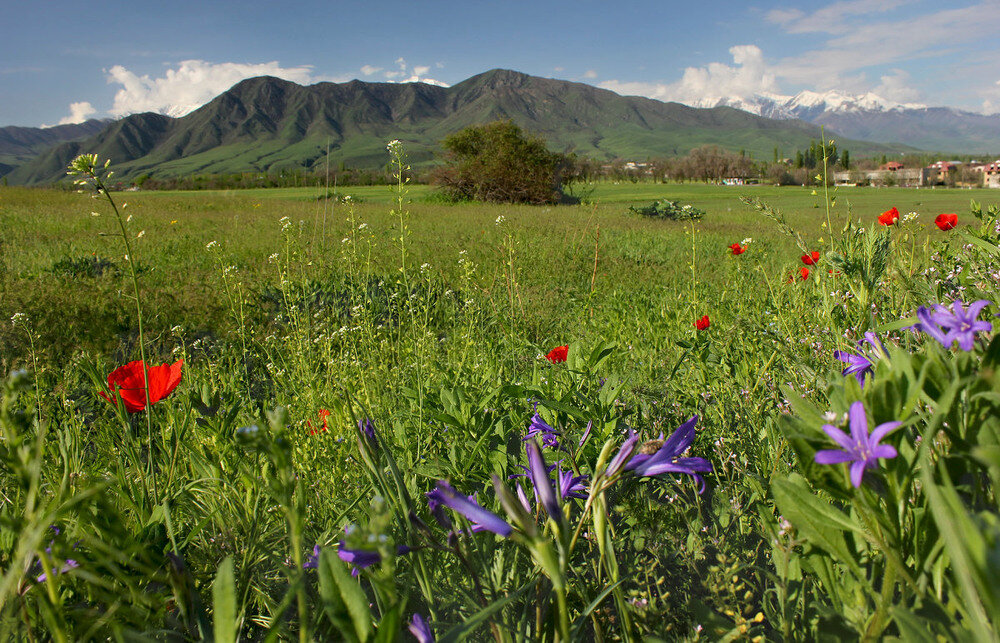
417 74
78 113
192 84
368 70
896 87
590 73
991 102
747 75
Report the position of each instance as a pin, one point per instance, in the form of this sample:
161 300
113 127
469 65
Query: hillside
19 145
268 124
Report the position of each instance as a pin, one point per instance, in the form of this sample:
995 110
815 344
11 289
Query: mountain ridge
268 124
874 118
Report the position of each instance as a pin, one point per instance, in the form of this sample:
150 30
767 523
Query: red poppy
703 323
946 221
323 414
558 354
804 272
127 382
889 217
737 249
811 259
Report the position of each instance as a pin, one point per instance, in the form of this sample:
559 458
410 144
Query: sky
64 62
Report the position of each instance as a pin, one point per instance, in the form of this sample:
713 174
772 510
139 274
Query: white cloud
78 113
747 76
863 43
590 73
558 69
832 18
896 87
192 84
368 70
415 75
991 104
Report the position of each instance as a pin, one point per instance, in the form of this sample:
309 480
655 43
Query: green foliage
497 162
305 317
667 209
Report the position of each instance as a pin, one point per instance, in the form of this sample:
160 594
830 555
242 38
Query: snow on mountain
807 104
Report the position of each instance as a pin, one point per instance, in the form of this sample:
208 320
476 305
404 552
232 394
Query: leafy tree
498 162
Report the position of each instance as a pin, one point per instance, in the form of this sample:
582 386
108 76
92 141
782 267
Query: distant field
705 196
41 228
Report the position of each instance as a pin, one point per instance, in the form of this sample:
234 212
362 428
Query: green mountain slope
19 145
268 124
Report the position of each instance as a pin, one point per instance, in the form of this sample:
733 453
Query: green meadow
238 505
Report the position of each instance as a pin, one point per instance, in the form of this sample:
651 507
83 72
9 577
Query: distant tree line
498 161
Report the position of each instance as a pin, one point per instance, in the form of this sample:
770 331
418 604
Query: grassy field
298 317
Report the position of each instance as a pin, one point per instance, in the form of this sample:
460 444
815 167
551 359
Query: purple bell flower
481 519
538 426
420 629
958 324
667 459
861 449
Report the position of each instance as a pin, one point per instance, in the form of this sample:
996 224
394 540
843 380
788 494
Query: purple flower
357 556
313 561
667 459
368 430
571 486
538 426
540 480
420 629
523 497
69 564
481 519
624 453
958 324
360 557
861 448
860 365
586 433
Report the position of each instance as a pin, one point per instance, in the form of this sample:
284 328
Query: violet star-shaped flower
958 324
538 426
667 459
861 448
570 486
860 364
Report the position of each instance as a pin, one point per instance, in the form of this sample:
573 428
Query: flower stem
102 189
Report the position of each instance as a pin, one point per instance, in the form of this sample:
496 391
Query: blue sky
63 61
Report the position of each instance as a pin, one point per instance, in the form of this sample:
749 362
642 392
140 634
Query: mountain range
267 124
870 117
18 145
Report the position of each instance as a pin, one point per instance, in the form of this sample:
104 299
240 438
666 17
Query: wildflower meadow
252 416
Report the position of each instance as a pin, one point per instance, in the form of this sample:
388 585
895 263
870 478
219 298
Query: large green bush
498 162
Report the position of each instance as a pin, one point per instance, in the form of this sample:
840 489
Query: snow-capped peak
806 104
834 101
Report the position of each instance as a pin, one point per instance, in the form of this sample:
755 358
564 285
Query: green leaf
225 617
388 627
815 518
344 602
469 625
